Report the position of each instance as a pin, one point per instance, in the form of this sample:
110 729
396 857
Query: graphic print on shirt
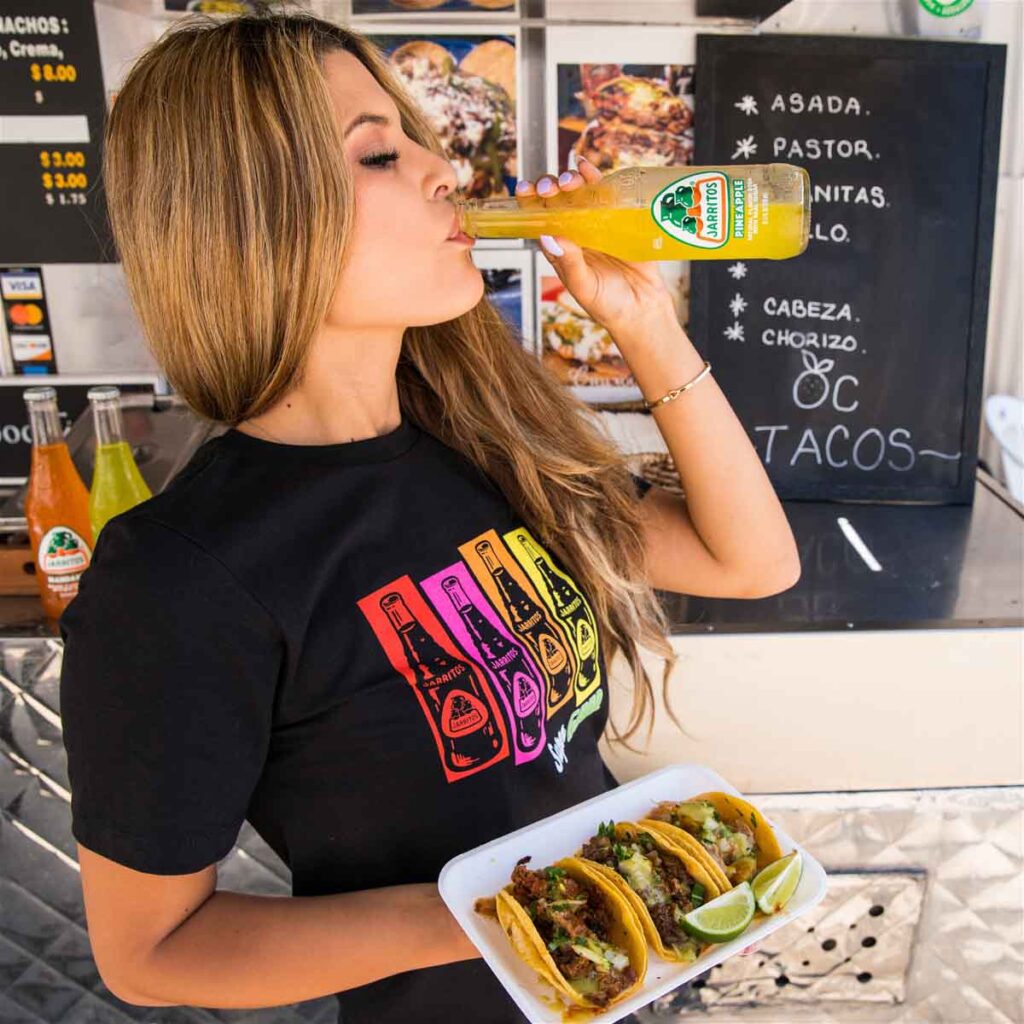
459 706
493 646
474 623
511 592
560 593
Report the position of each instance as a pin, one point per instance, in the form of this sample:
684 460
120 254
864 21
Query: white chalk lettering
771 440
852 194
836 233
807 309
821 149
783 337
867 451
816 103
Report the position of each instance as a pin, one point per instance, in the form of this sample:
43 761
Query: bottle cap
103 392
44 394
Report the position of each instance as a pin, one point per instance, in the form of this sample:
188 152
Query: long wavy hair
231 211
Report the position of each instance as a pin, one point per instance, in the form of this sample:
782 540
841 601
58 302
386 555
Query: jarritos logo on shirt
695 210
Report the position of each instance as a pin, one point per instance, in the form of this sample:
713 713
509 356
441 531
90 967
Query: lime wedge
775 884
722 918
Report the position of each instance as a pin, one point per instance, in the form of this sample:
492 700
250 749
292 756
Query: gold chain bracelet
676 392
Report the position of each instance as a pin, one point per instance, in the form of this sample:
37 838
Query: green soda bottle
117 484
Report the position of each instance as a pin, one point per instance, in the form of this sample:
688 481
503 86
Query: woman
373 616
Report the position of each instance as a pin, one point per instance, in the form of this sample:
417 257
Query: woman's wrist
660 359
455 941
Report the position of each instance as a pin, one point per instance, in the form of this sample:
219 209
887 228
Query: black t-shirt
359 648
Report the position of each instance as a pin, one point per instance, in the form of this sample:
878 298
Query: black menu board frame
727 66
50 67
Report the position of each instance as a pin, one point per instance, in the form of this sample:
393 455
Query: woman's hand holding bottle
622 296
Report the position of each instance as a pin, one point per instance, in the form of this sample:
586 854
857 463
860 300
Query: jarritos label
695 210
62 558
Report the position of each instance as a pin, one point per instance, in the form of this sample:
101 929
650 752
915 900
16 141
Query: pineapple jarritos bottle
741 212
56 507
117 484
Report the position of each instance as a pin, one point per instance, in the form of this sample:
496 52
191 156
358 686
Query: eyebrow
365 118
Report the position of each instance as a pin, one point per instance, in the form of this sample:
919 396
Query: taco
575 930
661 882
730 837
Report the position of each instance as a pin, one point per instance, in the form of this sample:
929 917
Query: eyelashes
381 159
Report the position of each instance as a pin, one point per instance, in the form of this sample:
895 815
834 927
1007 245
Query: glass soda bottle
734 212
117 484
56 507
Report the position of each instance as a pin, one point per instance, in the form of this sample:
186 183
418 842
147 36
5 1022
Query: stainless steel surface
855 946
945 866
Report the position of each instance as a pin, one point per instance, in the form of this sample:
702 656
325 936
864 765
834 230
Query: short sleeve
167 690
642 486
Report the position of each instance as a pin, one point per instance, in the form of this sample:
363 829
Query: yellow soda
117 484
735 212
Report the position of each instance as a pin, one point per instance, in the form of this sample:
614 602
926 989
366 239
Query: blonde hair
231 212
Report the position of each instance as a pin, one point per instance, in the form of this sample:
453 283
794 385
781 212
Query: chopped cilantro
559 939
697 894
608 831
621 853
553 874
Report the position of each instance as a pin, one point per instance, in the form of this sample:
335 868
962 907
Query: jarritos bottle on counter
56 507
117 484
734 212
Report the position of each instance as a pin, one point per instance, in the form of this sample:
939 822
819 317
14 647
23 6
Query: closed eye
381 159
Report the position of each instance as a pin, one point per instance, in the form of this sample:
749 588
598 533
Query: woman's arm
240 951
169 940
729 536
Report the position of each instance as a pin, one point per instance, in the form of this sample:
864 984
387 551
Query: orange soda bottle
56 507
117 484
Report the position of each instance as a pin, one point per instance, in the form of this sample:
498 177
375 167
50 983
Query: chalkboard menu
52 112
856 367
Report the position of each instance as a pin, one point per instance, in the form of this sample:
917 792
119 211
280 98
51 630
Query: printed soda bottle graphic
573 610
530 622
525 692
56 507
449 690
117 484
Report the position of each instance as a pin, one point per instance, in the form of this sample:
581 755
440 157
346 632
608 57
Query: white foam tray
488 868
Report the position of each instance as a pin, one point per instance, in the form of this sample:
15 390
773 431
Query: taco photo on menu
729 836
661 882
575 930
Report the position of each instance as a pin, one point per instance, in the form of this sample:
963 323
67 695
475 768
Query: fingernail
551 245
565 177
521 186
584 159
544 185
